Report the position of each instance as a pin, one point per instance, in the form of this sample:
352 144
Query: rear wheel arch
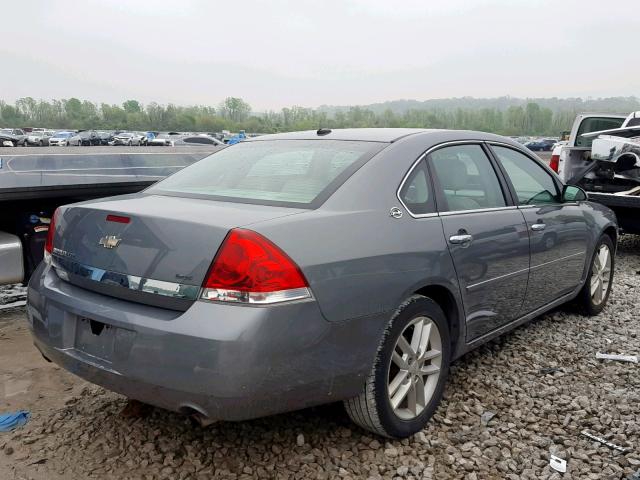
612 232
449 305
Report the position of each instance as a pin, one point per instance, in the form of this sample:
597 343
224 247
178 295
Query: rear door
487 236
557 231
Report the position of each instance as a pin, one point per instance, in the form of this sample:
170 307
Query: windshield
277 172
6 130
62 135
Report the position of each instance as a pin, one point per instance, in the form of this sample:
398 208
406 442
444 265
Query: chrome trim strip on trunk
158 293
132 282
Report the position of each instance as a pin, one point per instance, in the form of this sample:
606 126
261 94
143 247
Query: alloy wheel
415 367
600 275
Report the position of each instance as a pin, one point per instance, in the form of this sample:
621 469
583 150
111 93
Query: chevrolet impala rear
180 297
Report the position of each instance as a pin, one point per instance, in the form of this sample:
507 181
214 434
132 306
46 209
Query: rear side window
595 124
416 191
272 172
466 178
533 185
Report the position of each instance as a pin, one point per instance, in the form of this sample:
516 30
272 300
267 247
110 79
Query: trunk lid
158 248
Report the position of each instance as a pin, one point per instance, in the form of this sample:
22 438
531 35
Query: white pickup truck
602 156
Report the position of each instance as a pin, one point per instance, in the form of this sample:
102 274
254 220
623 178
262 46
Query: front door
486 235
557 231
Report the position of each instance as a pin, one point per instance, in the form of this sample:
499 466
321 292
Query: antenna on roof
323 131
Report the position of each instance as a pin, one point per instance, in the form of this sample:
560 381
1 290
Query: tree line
516 117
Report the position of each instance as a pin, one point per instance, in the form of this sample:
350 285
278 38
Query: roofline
604 114
402 133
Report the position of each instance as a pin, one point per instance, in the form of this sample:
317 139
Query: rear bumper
227 362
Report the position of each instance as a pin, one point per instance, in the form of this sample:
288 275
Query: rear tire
408 374
594 294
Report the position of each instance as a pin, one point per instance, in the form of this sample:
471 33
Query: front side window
532 184
271 172
415 192
466 178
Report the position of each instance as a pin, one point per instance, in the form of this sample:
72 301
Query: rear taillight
48 244
555 163
248 268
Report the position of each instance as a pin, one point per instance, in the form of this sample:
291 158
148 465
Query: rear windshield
300 173
595 124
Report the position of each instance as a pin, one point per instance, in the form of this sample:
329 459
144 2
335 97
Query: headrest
453 174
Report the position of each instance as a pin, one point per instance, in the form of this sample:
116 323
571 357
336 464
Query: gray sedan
297 269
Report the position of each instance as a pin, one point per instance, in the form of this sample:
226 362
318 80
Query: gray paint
236 362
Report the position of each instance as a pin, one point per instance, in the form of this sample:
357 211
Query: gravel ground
12 293
542 381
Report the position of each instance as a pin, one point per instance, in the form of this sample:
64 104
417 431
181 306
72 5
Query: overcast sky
279 53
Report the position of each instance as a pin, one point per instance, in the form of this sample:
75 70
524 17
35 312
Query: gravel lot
542 381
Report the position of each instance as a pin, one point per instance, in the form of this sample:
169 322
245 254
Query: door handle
538 227
463 240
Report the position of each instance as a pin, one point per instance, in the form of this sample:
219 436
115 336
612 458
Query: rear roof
358 134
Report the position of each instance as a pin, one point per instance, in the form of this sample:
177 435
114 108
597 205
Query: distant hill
399 107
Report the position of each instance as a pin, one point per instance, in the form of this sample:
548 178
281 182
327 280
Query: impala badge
109 241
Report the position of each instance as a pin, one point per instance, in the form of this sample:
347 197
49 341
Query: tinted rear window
279 172
595 124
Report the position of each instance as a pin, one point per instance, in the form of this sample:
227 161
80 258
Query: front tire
595 292
409 373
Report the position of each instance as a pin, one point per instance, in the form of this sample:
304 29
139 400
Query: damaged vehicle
603 157
303 268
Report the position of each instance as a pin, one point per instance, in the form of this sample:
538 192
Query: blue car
541 145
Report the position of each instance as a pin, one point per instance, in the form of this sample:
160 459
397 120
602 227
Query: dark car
195 140
106 137
541 145
304 268
85 138
16 135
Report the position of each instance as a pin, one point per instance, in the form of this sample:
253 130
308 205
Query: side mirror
572 193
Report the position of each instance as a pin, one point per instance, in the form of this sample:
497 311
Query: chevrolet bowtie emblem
109 241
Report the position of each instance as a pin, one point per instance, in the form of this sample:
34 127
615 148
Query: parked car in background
602 155
85 138
106 137
128 138
545 145
39 137
17 136
164 139
237 138
142 138
310 267
7 140
60 139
